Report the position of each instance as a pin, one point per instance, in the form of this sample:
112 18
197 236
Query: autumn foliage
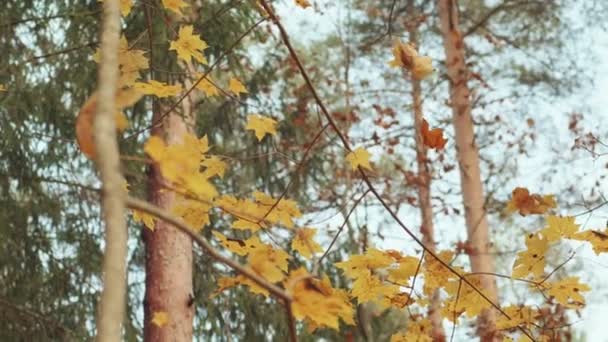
387 279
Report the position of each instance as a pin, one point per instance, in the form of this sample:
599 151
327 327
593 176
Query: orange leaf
527 203
432 138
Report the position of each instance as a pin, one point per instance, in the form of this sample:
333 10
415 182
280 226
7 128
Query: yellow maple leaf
282 212
261 125
359 157
214 166
316 301
237 246
361 265
533 259
269 262
189 46
567 291
180 164
195 213
130 61
518 315
125 7
207 86
158 89
145 218
419 330
160 318
235 86
404 271
464 299
175 6
436 275
303 3
304 244
369 288
559 227
406 56
597 239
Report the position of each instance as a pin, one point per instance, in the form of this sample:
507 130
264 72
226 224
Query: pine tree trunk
468 159
424 181
168 252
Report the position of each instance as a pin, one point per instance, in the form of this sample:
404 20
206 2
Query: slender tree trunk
424 182
112 301
468 159
168 252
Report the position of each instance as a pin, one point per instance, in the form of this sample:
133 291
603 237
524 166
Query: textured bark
168 251
424 191
468 159
112 301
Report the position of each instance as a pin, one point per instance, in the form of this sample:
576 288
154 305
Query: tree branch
215 254
112 301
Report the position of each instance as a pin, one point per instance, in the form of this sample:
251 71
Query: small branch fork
215 254
364 176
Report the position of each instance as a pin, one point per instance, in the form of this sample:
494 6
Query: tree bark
168 251
424 179
468 159
112 302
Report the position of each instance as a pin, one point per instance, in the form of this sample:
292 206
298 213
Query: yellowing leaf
145 218
518 315
527 203
158 89
130 60
180 164
417 331
359 157
559 227
436 275
269 262
239 247
406 56
261 125
189 46
303 3
236 86
533 259
316 301
175 6
369 288
361 265
195 213
303 242
597 239
208 87
160 318
2 88
567 291
464 299
406 269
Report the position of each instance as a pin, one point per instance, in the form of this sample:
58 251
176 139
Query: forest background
542 79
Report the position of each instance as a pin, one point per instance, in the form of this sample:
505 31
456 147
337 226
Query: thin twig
215 254
198 81
333 241
346 145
